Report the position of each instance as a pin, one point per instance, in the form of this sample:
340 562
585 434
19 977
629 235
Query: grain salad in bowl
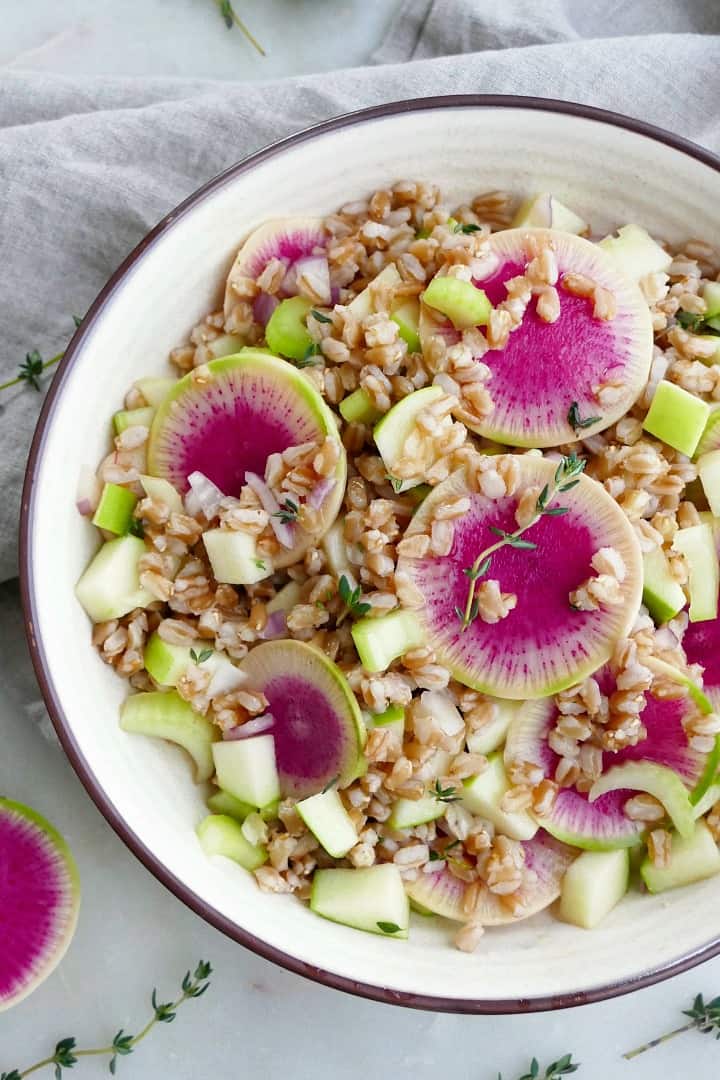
415 554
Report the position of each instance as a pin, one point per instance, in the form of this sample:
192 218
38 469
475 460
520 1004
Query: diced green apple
286 598
635 252
372 899
677 417
155 390
710 438
167 716
407 316
483 794
126 418
246 768
222 802
225 345
234 557
409 813
708 466
115 510
329 822
362 305
492 735
544 211
692 858
381 640
222 835
393 431
697 544
392 719
662 594
163 491
593 885
711 296
459 300
110 587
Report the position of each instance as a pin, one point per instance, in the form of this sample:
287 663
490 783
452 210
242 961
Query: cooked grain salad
415 554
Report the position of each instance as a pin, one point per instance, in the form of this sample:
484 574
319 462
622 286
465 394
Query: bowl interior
608 174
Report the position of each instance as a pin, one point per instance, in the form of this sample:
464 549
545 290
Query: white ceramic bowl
609 169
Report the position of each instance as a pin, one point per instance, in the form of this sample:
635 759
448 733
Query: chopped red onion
209 495
88 491
263 307
283 531
320 492
275 627
256 726
335 294
192 503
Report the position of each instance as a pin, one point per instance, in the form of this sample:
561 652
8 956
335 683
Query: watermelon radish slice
39 900
701 642
603 825
225 425
546 367
317 724
543 645
442 893
287 239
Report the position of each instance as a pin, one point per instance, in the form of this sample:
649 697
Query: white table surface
256 1021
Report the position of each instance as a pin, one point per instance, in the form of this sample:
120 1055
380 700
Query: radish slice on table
39 900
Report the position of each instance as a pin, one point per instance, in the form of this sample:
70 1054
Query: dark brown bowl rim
77 759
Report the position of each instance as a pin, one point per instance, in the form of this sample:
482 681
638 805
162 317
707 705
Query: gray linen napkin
88 166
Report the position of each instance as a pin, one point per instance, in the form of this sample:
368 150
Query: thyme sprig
231 18
32 367
567 475
352 599
446 795
696 324
574 420
66 1054
704 1017
288 511
562 1067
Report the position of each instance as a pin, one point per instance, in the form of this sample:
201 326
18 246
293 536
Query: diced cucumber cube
544 211
407 317
381 640
127 418
329 822
635 252
222 802
371 899
362 305
697 544
483 794
710 438
168 663
593 885
708 466
677 417
165 662
234 557
492 735
693 858
662 594
110 587
358 408
163 491
711 296
286 331
393 431
167 716
222 835
408 813
155 390
393 719
246 768
115 510
463 303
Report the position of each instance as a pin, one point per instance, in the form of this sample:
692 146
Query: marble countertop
256 1020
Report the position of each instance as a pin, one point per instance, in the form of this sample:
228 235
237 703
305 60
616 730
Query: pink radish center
31 896
567 358
311 741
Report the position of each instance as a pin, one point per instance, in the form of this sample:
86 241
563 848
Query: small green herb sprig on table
33 366
231 18
704 1017
66 1055
562 1067
567 475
